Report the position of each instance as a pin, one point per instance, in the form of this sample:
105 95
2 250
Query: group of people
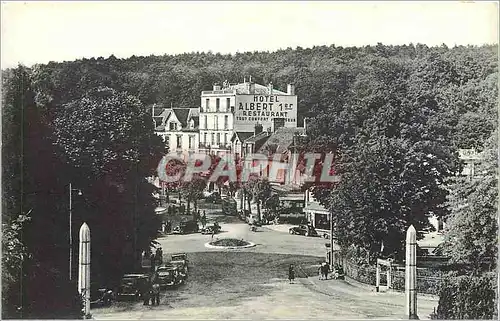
323 271
156 258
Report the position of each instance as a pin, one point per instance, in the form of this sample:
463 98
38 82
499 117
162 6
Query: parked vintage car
214 198
186 227
168 275
306 230
215 228
181 261
101 297
132 286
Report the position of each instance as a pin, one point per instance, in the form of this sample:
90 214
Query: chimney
270 88
216 86
290 90
258 129
251 86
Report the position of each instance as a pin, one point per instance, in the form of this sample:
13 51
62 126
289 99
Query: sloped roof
182 115
256 138
282 138
196 121
158 110
259 89
242 136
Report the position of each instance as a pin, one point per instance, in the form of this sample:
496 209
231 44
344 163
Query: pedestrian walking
291 274
325 268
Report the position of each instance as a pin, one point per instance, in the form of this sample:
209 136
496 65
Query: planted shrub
467 297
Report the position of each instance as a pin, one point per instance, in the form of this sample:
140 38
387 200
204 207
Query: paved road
251 283
267 240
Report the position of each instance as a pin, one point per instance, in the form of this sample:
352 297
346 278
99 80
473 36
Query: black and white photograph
229 160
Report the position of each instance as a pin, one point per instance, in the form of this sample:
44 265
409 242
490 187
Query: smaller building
317 215
179 128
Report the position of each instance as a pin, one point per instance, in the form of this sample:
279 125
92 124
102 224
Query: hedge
467 297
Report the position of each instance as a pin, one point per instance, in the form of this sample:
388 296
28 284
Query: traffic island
229 243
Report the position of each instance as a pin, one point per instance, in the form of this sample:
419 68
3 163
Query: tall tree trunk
258 211
188 208
249 198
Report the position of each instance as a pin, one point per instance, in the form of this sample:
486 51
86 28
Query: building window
216 122
173 126
207 104
225 139
213 139
228 103
179 141
226 121
205 138
206 121
218 138
191 139
232 109
217 104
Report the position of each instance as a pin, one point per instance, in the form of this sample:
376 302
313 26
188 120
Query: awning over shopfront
316 208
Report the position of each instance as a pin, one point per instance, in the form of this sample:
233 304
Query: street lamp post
71 190
331 239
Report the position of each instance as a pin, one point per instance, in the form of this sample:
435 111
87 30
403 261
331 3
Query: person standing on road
291 274
159 256
146 292
325 270
156 292
153 262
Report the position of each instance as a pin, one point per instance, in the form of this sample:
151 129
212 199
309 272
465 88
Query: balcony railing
218 92
215 146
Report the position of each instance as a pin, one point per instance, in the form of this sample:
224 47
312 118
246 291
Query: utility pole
331 239
70 232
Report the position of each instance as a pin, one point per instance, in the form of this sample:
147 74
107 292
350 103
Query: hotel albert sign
263 109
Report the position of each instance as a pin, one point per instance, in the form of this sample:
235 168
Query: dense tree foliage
108 138
35 279
471 236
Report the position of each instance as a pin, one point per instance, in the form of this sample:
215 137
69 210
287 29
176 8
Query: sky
39 32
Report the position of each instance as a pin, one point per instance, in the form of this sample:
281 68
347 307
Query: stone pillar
389 271
411 273
84 268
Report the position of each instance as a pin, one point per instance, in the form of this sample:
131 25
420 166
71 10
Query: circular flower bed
229 243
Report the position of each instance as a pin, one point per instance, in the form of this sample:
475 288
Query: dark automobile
182 267
229 206
307 230
101 297
187 227
213 198
210 230
180 259
132 286
168 275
